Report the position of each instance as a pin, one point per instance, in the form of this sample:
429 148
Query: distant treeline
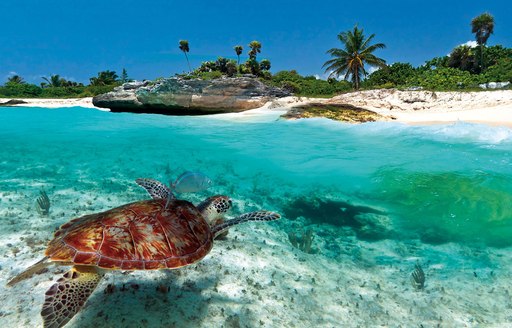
58 87
459 70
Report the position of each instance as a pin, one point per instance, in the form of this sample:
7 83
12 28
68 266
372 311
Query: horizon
43 39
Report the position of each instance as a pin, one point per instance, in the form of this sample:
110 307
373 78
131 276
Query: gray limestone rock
179 96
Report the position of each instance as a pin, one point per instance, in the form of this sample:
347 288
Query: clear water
437 185
454 180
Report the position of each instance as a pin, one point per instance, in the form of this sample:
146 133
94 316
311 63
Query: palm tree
104 78
184 47
53 82
356 53
462 57
238 50
483 27
255 49
15 79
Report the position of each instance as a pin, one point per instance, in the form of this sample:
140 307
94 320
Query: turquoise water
390 190
444 183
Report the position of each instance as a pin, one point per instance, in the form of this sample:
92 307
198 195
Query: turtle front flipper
252 216
67 296
155 189
30 271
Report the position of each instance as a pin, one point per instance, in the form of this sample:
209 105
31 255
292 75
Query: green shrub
11 89
231 68
391 76
308 85
291 86
494 54
92 90
265 65
210 75
500 72
445 78
62 92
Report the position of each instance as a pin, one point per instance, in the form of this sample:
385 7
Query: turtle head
214 208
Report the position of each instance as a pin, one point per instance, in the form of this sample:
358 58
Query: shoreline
53 102
428 107
493 108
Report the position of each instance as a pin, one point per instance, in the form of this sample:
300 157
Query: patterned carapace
137 236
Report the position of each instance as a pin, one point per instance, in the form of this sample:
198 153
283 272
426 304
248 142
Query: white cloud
471 43
372 69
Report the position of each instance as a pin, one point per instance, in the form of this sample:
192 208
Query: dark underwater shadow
155 302
367 222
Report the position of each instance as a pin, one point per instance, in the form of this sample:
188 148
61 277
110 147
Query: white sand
412 107
255 278
425 107
54 103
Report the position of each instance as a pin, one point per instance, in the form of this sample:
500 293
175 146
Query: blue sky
78 38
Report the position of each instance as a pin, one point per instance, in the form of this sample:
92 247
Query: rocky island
181 96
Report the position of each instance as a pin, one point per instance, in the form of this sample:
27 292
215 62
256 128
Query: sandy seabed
256 278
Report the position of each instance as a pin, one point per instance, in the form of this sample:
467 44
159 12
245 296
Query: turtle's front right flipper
67 296
155 189
219 229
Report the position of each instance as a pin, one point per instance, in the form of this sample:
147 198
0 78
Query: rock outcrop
344 113
178 96
13 102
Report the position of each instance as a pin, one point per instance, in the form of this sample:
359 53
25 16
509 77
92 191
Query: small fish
191 182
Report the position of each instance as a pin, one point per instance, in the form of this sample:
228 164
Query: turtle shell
137 236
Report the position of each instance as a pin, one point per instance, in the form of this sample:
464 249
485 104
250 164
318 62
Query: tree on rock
238 51
124 76
255 49
185 48
265 65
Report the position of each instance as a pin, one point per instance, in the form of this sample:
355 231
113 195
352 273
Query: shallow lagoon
378 198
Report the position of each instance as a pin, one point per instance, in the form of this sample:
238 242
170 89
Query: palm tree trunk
356 77
189 69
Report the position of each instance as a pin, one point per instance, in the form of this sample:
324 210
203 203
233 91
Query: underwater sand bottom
256 278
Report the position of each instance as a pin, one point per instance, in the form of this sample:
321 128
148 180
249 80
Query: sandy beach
428 107
53 103
410 107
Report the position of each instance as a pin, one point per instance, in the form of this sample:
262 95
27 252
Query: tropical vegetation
185 48
56 86
465 68
350 60
483 27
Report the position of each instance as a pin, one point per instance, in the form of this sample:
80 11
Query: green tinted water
437 183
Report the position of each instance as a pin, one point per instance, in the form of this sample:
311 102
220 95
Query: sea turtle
146 235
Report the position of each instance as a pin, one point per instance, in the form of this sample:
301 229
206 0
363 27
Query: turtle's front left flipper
67 296
155 189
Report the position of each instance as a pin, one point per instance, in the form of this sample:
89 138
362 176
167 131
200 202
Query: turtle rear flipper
67 296
30 271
